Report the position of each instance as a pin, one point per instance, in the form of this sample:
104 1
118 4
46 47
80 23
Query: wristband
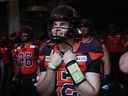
75 72
52 66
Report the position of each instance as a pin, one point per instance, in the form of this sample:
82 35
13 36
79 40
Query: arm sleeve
94 66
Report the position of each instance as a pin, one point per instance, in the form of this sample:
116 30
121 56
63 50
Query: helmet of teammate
86 28
4 41
62 22
25 34
112 28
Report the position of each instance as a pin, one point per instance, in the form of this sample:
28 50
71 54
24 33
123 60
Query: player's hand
55 60
105 85
69 56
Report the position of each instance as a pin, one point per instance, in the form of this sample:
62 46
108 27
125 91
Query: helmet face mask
61 23
60 28
25 34
25 37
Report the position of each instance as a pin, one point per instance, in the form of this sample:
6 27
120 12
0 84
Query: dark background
3 18
101 12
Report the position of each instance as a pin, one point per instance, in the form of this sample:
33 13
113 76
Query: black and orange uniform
25 63
115 45
88 58
4 60
5 70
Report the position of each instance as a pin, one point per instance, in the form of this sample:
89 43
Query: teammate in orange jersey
5 66
25 57
88 36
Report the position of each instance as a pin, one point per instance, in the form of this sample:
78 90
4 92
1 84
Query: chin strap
58 39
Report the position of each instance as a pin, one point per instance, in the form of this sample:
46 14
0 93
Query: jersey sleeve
41 62
94 66
44 53
95 58
94 53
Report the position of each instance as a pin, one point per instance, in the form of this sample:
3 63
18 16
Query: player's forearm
107 69
91 86
86 89
107 65
47 85
106 60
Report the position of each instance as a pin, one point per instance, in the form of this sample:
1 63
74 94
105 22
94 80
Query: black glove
105 85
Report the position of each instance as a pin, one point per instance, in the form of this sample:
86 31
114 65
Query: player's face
84 30
60 28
